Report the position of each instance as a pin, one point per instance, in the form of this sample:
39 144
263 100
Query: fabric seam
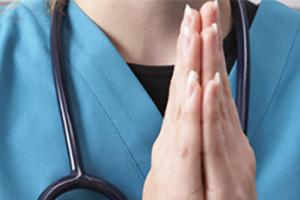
277 84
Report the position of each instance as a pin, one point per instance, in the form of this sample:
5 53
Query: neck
146 31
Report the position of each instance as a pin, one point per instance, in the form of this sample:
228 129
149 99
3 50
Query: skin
201 152
156 22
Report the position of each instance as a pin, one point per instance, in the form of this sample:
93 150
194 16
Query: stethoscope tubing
243 61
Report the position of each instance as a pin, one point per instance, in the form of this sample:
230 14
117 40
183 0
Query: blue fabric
116 120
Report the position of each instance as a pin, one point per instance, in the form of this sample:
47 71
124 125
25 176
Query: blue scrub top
115 119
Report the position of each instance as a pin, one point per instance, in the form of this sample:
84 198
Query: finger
210 60
208 14
216 53
188 137
177 160
226 89
212 48
216 162
228 108
226 116
190 126
188 48
187 58
191 17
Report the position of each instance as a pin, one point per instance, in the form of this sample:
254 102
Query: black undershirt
156 79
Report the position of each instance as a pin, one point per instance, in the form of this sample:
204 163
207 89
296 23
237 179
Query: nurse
149 141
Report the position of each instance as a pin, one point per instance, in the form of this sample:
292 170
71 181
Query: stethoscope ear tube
243 61
57 63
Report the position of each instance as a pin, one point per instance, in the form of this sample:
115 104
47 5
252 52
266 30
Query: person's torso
115 119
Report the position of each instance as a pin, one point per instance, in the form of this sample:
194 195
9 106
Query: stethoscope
78 179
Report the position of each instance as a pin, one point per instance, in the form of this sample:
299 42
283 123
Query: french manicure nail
186 17
187 11
215 29
217 78
216 2
191 80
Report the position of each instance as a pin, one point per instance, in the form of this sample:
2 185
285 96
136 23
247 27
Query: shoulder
26 13
24 32
25 20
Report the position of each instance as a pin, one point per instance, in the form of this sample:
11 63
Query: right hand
175 171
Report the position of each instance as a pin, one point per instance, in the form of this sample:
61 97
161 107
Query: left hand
229 161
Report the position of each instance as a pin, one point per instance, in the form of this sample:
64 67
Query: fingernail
217 78
191 80
186 29
187 11
216 2
217 10
214 27
217 82
215 30
187 17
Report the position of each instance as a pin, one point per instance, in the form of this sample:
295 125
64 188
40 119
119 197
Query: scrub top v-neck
115 119
156 79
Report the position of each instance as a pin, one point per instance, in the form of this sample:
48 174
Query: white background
291 3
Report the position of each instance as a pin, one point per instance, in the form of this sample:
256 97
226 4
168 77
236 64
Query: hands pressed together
201 152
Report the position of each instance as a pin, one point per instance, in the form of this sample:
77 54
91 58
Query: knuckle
183 151
183 147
